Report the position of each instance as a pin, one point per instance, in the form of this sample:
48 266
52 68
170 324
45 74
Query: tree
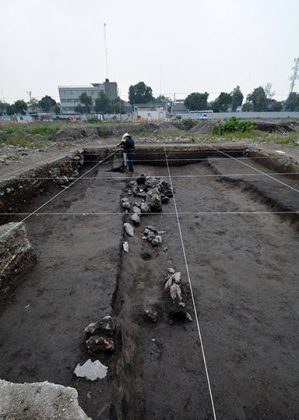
161 99
79 109
47 103
20 107
292 103
140 94
237 98
103 104
57 109
33 105
164 101
273 105
268 91
258 99
118 106
222 103
197 101
86 101
10 109
247 107
3 107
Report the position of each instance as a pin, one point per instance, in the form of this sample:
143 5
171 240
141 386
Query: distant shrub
233 125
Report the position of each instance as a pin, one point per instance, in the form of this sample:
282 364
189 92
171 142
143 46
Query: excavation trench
244 287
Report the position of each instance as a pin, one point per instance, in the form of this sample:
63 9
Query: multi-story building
70 95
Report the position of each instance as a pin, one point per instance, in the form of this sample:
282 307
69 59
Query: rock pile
153 190
153 235
25 188
173 286
16 256
99 336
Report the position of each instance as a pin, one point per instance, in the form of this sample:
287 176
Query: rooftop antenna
295 74
106 53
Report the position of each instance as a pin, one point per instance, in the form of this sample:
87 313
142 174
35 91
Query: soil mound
268 127
102 130
169 127
204 127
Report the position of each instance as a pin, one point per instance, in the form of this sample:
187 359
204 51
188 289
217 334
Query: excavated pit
243 266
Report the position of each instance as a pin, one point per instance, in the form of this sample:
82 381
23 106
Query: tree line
46 104
260 99
102 104
138 94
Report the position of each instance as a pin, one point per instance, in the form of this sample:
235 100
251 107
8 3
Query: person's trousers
125 159
130 155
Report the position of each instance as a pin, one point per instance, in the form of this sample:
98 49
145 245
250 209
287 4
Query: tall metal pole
295 75
106 53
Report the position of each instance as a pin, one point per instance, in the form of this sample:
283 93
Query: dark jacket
128 145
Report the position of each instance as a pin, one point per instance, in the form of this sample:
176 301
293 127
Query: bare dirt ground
243 267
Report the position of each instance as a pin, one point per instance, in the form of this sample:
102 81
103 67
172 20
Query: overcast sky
171 45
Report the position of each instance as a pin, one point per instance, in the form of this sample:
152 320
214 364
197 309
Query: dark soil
274 127
243 269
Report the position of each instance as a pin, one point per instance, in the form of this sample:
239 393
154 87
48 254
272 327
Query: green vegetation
47 104
23 141
254 135
22 134
261 99
45 129
13 158
140 94
233 125
292 103
197 101
185 124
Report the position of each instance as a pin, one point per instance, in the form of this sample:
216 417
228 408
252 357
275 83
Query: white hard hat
125 135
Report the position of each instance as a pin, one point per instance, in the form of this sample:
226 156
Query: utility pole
295 74
106 53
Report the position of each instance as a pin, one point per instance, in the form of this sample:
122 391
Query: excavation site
169 293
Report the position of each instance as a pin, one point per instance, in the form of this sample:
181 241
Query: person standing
128 146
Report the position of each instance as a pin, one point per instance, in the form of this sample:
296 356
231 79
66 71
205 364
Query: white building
150 112
69 95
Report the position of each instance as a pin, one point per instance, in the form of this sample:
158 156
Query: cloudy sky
172 45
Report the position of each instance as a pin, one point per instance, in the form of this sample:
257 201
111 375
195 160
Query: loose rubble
104 326
153 235
16 256
97 344
151 315
154 192
22 189
125 203
173 286
99 336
